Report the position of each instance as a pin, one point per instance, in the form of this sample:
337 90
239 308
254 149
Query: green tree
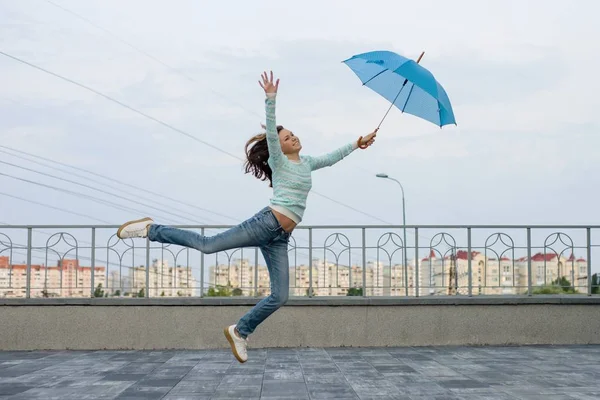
162 294
548 289
558 286
219 291
355 292
237 292
564 284
141 293
118 293
595 284
99 292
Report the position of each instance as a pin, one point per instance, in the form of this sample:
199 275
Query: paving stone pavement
407 373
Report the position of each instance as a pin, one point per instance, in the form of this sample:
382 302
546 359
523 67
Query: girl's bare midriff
286 223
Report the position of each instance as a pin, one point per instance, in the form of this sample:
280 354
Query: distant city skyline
437 276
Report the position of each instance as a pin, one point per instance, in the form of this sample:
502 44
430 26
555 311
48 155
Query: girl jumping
274 156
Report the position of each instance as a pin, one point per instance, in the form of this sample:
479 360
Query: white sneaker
238 345
135 229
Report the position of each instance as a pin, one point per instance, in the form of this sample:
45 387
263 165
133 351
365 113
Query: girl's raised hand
267 83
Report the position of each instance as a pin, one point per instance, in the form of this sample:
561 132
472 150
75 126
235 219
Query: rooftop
405 373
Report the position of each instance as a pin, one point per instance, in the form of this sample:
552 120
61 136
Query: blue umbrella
405 83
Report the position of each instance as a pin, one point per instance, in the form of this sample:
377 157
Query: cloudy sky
521 76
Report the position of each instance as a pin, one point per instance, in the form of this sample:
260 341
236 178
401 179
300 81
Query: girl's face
290 143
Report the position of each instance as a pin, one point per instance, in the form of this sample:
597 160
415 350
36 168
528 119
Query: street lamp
385 176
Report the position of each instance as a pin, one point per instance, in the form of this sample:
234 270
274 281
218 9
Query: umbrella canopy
404 83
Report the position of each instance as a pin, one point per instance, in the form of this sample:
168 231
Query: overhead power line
97 190
108 178
53 207
77 194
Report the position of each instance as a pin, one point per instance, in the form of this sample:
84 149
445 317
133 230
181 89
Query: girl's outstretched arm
329 159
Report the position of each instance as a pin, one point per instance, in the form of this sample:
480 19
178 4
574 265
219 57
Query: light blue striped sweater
292 179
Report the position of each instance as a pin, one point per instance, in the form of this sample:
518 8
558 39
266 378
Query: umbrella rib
408 97
374 76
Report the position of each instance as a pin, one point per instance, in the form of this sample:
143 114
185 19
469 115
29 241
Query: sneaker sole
126 224
232 343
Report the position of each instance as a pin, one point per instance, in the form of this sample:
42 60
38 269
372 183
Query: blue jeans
262 231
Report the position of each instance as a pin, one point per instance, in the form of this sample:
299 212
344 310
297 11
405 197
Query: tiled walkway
548 373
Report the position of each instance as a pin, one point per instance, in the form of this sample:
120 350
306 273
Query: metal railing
340 260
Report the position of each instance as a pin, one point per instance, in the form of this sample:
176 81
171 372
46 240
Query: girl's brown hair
257 157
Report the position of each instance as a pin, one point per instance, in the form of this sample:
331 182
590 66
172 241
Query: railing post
147 268
28 277
589 260
256 272
350 267
417 262
310 267
202 269
405 262
529 291
93 262
364 262
469 263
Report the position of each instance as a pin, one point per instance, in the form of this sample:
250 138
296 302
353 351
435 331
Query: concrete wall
198 323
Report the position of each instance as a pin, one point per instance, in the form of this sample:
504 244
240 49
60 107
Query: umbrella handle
362 146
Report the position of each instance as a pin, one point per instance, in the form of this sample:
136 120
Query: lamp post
385 176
